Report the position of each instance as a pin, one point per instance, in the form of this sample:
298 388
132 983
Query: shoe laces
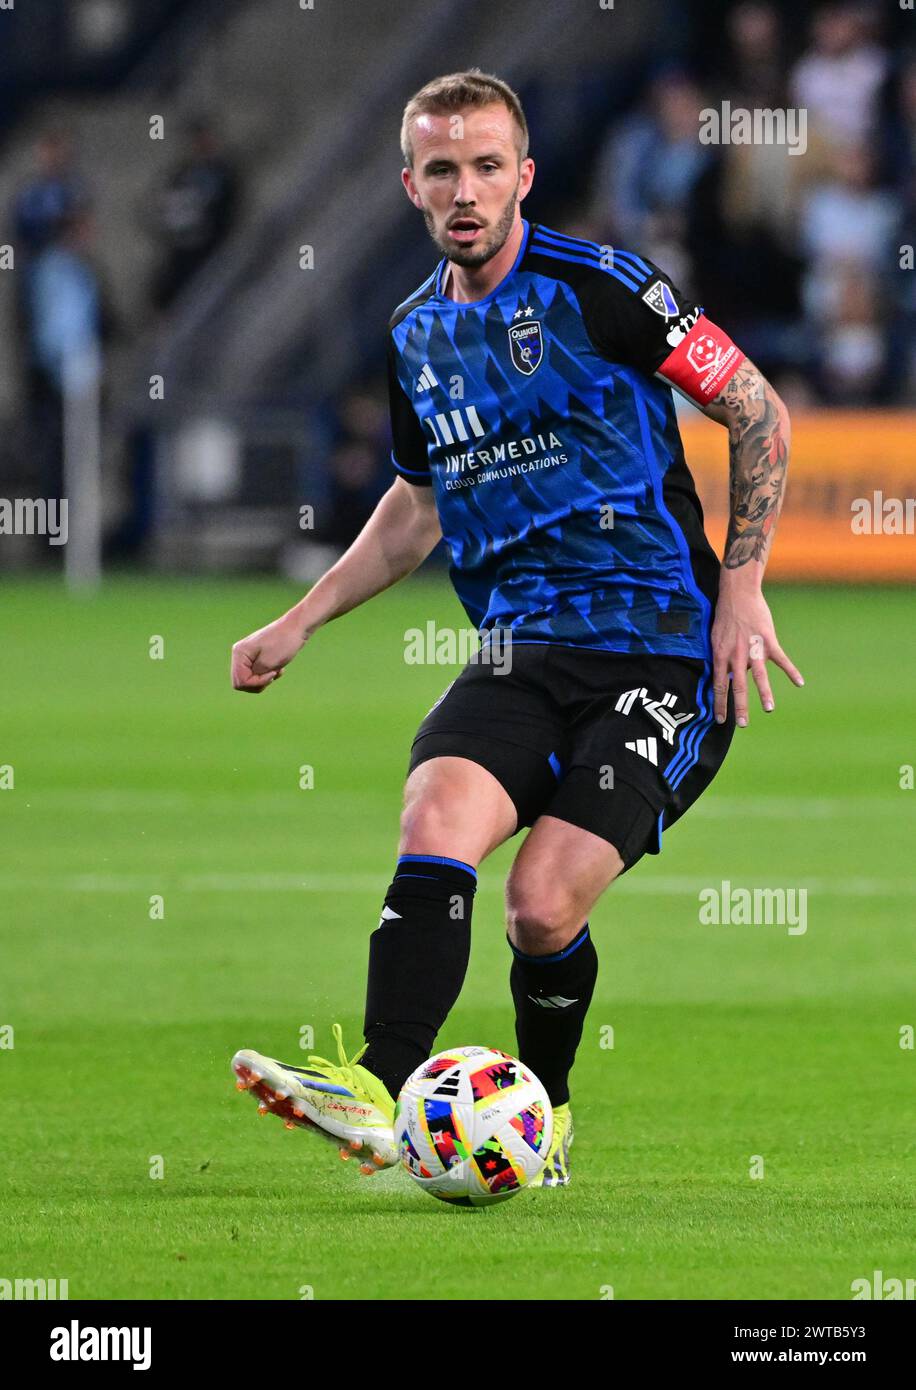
342 1070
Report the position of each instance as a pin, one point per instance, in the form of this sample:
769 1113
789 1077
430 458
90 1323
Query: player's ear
410 187
525 178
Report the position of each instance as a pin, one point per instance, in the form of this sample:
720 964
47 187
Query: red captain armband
702 362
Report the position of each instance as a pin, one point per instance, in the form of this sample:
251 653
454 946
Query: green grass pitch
136 777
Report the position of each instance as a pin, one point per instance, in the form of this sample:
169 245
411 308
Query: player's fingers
756 655
720 686
248 681
762 681
255 684
739 682
240 667
783 662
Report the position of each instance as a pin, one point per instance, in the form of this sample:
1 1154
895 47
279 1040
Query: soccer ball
473 1126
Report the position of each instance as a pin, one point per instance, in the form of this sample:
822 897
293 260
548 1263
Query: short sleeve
409 455
634 314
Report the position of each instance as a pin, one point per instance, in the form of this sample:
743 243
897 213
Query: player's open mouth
465 230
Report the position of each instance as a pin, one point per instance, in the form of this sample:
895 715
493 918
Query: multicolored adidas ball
473 1126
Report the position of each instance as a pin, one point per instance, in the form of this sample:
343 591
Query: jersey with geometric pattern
553 450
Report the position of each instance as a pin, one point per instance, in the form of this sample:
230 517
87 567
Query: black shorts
617 744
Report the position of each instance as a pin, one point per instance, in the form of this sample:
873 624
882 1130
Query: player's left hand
743 636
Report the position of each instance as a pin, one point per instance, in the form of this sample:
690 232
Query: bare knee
558 876
542 916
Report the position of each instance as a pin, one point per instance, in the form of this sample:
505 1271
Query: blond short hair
459 91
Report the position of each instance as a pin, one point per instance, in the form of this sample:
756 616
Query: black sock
548 1031
418 958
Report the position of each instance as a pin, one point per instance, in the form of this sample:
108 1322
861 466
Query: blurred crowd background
163 163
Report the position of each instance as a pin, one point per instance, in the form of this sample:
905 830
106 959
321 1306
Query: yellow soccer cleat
555 1172
341 1100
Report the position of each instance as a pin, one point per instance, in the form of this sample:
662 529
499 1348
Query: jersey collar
476 303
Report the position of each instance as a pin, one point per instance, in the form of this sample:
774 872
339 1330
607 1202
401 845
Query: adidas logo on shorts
646 748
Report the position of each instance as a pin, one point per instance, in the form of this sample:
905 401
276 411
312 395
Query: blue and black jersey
553 450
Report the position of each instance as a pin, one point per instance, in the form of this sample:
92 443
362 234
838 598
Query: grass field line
658 885
117 802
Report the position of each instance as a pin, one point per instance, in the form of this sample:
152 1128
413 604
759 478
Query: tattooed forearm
758 428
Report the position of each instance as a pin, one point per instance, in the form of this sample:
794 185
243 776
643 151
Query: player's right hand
259 658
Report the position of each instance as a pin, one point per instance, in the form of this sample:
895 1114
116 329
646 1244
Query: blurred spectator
356 466
847 233
355 472
53 193
648 168
752 71
854 343
838 81
846 221
65 301
193 212
897 141
742 219
67 320
741 237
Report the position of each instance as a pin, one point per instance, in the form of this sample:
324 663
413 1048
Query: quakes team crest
526 345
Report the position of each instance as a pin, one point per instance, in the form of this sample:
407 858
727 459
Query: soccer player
534 429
